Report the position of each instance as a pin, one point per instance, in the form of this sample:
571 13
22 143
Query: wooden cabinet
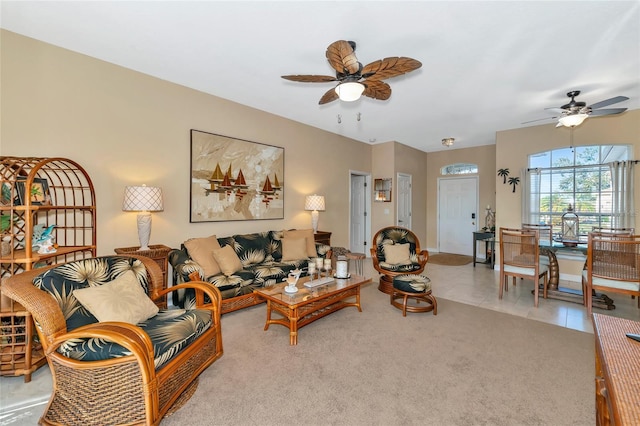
40 197
322 237
617 381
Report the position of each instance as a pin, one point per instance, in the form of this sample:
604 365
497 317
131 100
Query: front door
457 214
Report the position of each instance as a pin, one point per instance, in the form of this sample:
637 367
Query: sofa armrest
183 266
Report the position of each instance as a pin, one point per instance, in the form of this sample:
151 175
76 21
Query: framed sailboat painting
235 179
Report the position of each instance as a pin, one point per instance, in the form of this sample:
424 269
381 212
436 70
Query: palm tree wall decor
504 173
514 181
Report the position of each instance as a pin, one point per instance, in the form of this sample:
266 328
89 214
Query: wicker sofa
261 259
113 372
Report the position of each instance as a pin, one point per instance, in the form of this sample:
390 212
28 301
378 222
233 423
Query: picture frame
234 179
38 192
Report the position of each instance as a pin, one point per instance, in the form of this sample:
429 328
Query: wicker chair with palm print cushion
116 372
396 251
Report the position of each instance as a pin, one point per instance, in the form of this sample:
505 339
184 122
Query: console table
617 373
489 239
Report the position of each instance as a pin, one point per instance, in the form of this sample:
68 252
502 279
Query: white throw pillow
122 299
294 249
397 254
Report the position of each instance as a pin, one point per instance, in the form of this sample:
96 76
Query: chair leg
502 278
405 299
536 291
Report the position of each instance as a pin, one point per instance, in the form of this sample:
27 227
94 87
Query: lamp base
314 221
144 229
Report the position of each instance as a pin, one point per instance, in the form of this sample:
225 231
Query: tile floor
23 403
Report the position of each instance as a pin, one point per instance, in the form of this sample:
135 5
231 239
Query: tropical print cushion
170 331
62 280
397 236
412 283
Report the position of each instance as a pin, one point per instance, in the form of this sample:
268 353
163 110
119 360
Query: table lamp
143 199
314 203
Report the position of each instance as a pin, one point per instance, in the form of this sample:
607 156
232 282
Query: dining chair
613 265
545 237
520 258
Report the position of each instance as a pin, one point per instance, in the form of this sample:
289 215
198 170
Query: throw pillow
201 250
228 260
294 249
303 233
397 254
122 299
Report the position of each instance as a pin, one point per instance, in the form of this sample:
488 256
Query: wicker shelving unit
39 191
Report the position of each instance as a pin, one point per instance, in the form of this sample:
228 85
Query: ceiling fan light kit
572 120
350 91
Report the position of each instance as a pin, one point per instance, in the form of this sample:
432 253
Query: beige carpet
450 259
465 366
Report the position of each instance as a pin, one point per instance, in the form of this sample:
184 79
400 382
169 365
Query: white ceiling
486 65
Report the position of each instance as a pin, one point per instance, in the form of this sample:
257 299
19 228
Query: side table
323 237
159 253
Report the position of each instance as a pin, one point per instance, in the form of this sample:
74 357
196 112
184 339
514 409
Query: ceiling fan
575 112
355 80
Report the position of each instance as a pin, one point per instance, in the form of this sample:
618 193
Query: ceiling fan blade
310 78
555 109
539 119
607 102
329 96
389 67
607 111
377 90
342 57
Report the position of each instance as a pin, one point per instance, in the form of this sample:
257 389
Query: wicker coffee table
309 304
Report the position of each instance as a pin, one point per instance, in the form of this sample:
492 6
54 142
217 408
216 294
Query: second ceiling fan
354 79
575 112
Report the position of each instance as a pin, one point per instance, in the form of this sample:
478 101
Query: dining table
554 291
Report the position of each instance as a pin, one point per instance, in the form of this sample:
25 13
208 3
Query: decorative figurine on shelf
490 220
43 239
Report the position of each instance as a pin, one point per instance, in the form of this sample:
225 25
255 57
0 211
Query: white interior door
358 236
404 200
457 214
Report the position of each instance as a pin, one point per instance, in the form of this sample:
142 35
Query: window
459 169
580 177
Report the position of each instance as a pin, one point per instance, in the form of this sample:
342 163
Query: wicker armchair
396 236
131 383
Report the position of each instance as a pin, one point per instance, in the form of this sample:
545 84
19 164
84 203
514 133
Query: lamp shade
572 120
142 199
349 91
314 202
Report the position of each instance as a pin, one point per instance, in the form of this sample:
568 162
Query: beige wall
127 128
383 214
414 162
485 158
